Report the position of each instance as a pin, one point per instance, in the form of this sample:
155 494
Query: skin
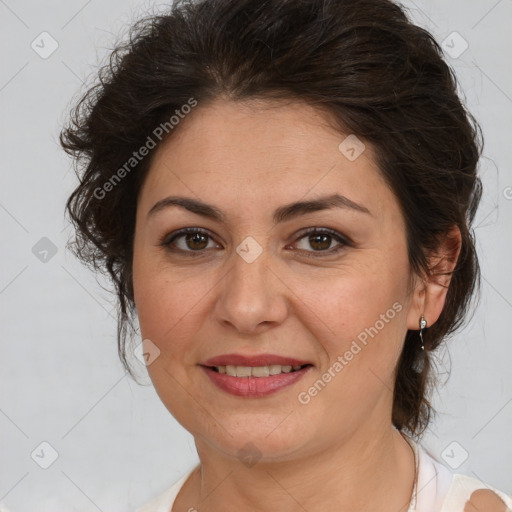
484 500
339 451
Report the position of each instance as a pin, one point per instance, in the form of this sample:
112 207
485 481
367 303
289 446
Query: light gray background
61 381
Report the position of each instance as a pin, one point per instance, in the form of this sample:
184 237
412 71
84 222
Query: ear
429 294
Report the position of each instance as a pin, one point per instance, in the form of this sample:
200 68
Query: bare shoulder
469 494
485 500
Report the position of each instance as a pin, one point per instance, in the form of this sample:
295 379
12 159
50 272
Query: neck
372 469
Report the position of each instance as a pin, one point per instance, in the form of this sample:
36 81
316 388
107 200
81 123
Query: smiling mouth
257 371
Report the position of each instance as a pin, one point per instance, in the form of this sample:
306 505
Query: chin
267 440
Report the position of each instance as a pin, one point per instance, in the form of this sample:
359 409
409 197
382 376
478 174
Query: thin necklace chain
413 502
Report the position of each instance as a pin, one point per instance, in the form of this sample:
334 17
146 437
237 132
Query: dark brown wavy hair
381 78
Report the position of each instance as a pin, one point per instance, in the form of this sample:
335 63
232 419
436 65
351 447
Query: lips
257 360
254 387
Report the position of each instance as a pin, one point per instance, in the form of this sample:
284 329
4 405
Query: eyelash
167 240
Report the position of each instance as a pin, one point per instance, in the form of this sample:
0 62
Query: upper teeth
256 371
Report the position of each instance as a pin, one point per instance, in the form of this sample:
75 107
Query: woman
282 192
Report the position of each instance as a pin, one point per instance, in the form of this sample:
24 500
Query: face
327 285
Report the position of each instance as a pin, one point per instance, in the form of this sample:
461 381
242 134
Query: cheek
350 299
363 327
167 310
168 303
362 310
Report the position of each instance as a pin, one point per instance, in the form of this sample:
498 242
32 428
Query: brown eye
321 242
189 240
196 241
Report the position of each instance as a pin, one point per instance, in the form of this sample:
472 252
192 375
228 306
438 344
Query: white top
438 489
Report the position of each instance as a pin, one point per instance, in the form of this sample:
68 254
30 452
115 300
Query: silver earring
423 324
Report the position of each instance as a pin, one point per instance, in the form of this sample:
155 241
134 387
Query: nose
252 297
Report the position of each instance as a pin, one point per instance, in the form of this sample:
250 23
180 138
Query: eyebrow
281 214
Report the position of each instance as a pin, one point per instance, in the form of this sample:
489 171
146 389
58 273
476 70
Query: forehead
262 151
